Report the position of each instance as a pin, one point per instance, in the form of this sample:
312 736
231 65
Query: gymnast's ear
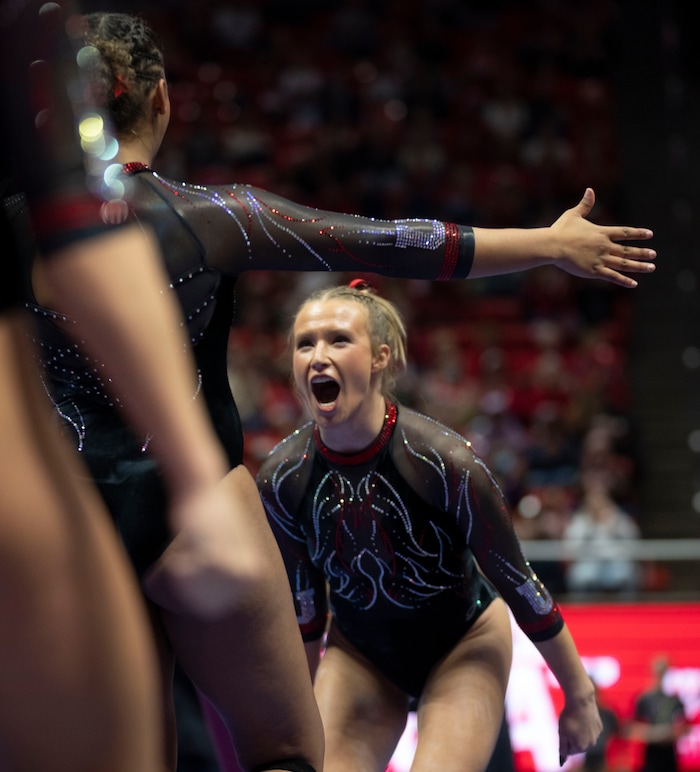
381 359
161 99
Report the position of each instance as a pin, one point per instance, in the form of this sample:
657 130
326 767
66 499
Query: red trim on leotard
449 262
135 166
352 459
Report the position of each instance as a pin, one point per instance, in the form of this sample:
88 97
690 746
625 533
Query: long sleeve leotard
208 236
397 532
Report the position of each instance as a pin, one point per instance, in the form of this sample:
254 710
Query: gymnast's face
337 375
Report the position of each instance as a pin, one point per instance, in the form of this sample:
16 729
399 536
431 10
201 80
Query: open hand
594 251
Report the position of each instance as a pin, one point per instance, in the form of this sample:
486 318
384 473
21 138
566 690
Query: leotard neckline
361 457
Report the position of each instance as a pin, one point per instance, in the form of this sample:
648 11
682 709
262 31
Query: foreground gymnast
71 609
79 688
79 691
396 514
227 642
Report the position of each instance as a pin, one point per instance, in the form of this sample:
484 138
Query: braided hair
125 60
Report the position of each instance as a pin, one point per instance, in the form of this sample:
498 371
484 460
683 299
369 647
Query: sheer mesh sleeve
245 228
449 475
281 484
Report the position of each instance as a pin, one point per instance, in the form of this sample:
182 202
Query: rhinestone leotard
208 236
396 532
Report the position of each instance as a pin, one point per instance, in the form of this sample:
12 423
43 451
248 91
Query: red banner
617 643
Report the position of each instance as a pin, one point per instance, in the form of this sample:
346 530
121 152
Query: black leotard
397 532
209 235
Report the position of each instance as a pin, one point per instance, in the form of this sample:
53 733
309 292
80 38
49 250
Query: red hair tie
120 87
360 284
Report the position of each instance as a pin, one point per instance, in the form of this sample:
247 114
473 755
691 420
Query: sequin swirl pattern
61 360
375 551
247 206
525 583
250 206
403 530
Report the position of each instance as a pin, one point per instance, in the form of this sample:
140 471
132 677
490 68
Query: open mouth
325 391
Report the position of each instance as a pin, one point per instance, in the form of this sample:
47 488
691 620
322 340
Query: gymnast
404 524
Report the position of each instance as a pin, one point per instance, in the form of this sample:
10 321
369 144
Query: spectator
597 536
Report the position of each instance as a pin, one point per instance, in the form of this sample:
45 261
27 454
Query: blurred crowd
491 114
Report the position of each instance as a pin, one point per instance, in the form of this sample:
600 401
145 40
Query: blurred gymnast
80 687
208 236
398 517
79 691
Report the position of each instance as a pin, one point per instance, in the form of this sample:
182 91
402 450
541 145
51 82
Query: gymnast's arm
280 492
483 515
498 552
243 228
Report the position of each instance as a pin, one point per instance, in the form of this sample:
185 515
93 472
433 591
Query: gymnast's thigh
363 713
461 708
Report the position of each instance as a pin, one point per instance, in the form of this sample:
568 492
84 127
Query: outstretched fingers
618 249
624 259
604 271
627 233
632 259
